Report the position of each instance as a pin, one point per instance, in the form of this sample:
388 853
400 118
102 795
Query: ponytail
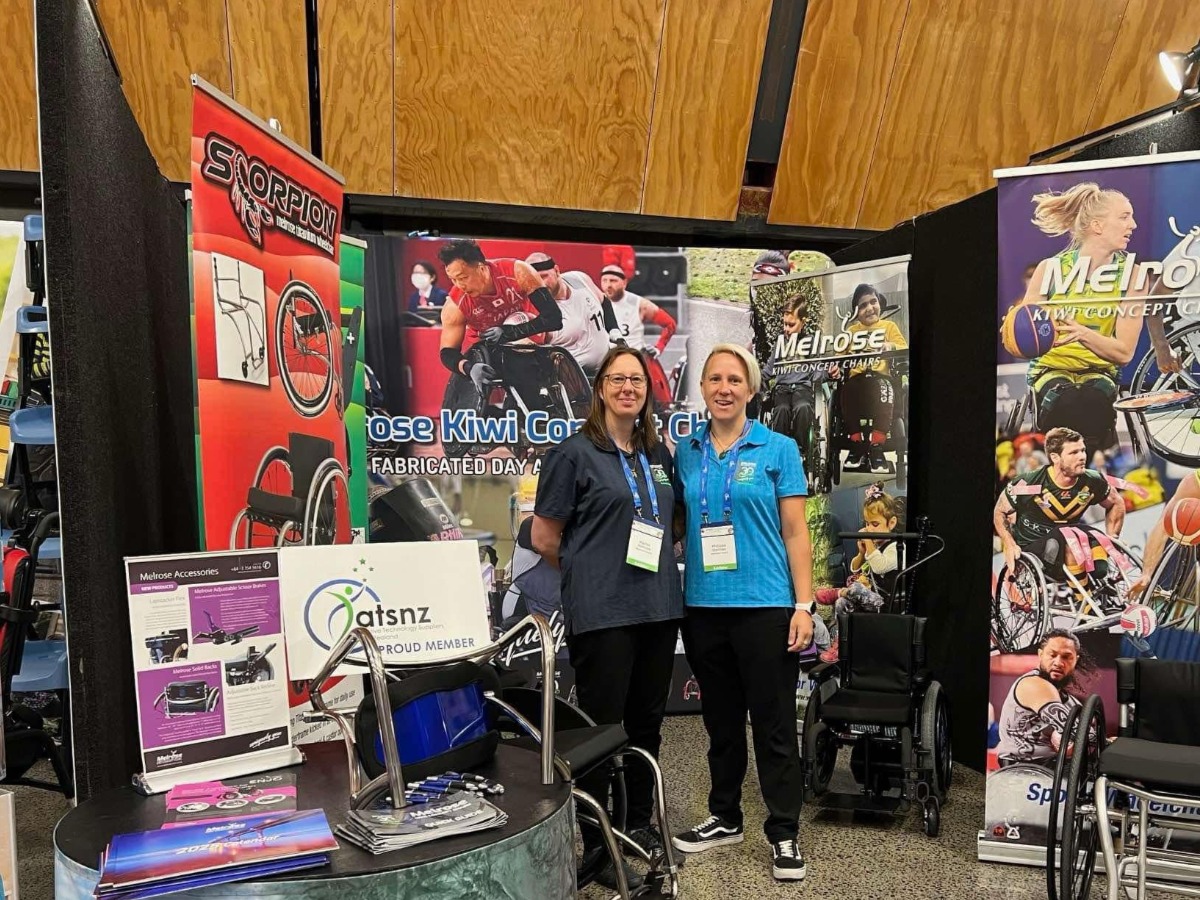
1072 210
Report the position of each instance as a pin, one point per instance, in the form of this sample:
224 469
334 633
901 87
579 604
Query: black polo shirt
585 487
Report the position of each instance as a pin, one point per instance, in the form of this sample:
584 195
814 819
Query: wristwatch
809 607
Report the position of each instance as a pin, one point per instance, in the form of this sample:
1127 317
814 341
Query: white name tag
645 545
718 548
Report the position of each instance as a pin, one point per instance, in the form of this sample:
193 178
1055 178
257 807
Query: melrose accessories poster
210 672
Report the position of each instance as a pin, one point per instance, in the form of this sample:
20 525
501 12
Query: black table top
323 783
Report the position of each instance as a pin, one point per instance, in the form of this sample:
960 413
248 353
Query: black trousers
623 677
793 414
741 660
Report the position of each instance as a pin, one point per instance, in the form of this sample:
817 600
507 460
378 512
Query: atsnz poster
1097 475
271 390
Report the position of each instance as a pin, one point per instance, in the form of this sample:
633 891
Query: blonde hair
753 372
1071 211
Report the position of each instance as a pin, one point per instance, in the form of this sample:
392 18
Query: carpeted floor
870 859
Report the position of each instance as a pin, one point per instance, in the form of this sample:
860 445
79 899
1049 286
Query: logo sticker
745 472
660 474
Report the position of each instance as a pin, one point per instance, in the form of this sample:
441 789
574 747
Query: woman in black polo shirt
604 516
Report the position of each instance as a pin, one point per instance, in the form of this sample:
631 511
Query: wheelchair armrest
822 671
922 678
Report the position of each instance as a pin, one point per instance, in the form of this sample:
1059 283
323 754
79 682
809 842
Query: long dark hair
645 433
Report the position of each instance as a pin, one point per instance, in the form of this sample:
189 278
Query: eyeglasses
636 381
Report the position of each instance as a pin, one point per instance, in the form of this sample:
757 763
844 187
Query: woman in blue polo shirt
604 516
748 590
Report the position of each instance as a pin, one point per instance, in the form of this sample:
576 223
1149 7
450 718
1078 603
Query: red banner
271 437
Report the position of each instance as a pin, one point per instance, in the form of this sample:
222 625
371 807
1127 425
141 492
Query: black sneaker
607 876
647 837
787 862
712 832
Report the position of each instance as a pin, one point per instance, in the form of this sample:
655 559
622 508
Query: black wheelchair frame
881 701
896 439
1118 793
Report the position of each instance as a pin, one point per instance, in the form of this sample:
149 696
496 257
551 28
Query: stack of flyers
380 829
151 863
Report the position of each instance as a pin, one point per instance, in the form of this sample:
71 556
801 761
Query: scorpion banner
272 392
1097 513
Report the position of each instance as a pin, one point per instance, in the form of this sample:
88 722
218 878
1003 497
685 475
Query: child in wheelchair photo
873 568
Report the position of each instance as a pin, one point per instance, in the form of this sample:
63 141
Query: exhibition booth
312 644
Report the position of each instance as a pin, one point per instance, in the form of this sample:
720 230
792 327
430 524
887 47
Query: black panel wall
117 285
952 286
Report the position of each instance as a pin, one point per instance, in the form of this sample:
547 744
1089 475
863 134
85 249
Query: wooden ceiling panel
269 54
357 71
980 86
704 98
838 97
18 99
1132 81
158 44
536 102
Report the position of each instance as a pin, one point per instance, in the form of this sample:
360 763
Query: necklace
722 445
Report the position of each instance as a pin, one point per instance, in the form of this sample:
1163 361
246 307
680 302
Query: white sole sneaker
701 846
789 874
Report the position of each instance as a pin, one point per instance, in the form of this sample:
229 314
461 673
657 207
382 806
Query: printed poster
209 665
272 394
423 602
1097 459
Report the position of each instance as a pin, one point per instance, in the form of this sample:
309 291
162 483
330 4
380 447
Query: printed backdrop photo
1097 474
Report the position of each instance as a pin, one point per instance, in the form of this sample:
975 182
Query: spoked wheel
935 739
1020 608
274 476
1080 828
327 500
304 349
1174 591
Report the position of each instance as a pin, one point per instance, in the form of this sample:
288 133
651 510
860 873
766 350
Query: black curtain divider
120 333
383 306
952 312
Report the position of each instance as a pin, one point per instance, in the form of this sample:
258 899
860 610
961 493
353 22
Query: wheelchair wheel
304 349
1174 590
935 740
820 750
1020 609
1016 418
327 498
931 815
274 475
1052 838
1081 833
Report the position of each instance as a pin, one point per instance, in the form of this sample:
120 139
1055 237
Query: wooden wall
897 108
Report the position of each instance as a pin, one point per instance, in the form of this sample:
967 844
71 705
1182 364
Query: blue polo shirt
769 468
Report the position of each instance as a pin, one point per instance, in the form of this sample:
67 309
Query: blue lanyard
633 488
730 471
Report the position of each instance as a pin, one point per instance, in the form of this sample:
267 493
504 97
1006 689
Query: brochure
223 801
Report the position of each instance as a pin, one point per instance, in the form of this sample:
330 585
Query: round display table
531 858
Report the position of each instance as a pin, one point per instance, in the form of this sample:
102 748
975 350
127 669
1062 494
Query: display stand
531 858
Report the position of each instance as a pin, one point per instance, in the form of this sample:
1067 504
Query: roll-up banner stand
1097 459
272 393
448 459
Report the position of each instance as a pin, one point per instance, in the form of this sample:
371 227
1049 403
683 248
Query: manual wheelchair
880 700
1026 608
418 721
868 413
1122 794
299 496
529 378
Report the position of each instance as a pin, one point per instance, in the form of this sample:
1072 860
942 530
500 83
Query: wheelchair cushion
867 707
582 749
1163 766
276 506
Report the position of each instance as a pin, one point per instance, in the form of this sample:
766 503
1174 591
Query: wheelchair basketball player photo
1038 703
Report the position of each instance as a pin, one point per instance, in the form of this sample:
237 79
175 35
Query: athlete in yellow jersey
1075 382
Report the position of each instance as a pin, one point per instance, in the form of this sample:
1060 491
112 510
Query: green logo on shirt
660 474
745 472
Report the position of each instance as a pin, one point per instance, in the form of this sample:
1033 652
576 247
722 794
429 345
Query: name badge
718 548
645 545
